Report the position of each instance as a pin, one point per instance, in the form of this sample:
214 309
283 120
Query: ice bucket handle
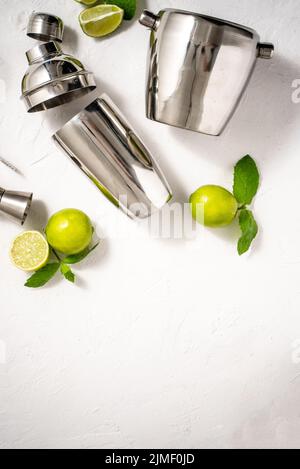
149 20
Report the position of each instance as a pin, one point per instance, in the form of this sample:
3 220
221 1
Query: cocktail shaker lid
45 27
53 78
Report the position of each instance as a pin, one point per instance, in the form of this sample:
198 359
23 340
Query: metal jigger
15 204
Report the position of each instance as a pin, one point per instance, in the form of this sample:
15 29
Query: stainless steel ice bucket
198 68
104 146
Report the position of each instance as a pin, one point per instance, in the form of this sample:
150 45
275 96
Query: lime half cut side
101 20
29 251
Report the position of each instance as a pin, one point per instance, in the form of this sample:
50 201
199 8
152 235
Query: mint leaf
42 276
249 230
76 258
246 180
67 273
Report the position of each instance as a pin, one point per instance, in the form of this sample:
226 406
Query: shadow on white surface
261 125
229 233
262 120
70 39
97 257
37 217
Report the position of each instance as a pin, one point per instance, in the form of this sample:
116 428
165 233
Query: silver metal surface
15 204
149 19
198 68
53 78
45 27
103 145
43 52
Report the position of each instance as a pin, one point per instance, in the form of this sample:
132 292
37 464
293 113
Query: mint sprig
245 185
67 272
46 273
246 180
249 230
76 258
42 276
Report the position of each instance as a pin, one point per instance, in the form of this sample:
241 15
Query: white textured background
163 343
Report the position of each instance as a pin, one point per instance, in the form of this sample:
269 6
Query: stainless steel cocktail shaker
105 147
98 139
198 68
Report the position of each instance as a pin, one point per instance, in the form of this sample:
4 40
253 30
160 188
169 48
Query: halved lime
100 20
29 251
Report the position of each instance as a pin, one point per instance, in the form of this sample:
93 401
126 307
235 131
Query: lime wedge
100 20
87 2
129 7
29 251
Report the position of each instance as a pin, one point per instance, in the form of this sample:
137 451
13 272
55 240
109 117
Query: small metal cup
15 204
103 145
45 27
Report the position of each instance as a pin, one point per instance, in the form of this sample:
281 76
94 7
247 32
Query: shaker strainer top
53 78
45 27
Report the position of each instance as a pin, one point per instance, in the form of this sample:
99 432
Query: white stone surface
163 343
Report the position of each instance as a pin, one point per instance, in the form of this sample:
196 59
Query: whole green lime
69 231
213 206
